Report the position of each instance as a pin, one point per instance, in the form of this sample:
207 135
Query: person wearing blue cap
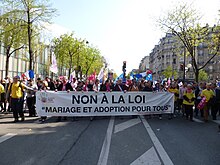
15 95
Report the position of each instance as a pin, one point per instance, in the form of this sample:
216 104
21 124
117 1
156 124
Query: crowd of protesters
14 93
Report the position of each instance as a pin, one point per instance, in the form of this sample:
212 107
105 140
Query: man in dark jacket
118 86
215 101
148 87
217 96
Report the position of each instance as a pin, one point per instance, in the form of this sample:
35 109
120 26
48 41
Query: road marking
150 157
197 120
127 124
161 151
103 158
6 137
216 121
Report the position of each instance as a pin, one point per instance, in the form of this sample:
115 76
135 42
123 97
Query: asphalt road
109 141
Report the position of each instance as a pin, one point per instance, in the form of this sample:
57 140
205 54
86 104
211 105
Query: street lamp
184 64
124 70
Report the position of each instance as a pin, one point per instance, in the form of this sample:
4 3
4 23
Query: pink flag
92 76
168 82
53 67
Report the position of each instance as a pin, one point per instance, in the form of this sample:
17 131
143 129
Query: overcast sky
124 30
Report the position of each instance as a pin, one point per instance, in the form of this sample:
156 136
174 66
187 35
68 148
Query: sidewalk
10 114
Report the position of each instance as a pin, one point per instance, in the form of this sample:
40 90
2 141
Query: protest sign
103 103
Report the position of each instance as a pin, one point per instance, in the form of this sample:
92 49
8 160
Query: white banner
51 103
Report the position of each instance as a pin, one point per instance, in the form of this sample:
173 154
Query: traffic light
124 66
124 71
181 67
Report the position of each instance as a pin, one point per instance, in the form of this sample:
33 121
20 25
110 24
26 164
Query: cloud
53 30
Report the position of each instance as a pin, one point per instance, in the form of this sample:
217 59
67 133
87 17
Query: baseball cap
17 77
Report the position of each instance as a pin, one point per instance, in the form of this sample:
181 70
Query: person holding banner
161 89
39 83
106 87
43 86
133 86
79 86
173 89
16 94
66 86
31 98
90 85
96 86
50 83
141 85
147 87
119 86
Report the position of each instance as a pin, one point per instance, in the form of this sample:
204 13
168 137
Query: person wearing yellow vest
173 89
208 94
188 102
15 93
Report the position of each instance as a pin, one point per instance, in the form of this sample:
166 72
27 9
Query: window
200 53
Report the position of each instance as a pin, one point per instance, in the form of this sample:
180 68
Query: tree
183 22
203 76
77 54
39 48
92 60
33 14
169 72
66 49
12 35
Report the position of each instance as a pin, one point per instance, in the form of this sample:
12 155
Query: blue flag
119 77
131 76
149 77
31 74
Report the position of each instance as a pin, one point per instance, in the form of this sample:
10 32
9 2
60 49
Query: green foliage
203 76
12 35
169 72
73 53
183 23
115 76
66 49
32 16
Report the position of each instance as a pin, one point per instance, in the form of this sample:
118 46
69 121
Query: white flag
26 75
101 74
72 75
143 74
53 67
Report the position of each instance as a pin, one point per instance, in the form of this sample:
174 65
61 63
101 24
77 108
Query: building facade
19 63
144 64
164 55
